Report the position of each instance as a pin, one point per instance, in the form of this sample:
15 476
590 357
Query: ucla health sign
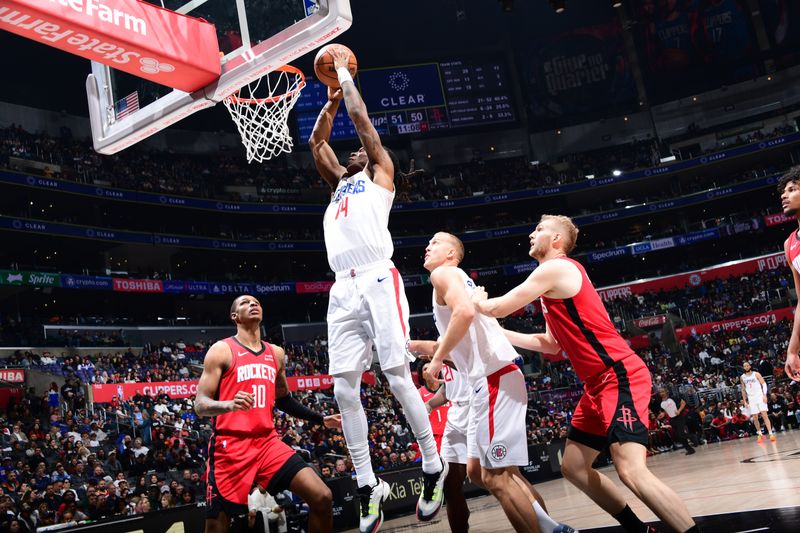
398 88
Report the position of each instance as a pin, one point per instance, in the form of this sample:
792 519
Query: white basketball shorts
367 307
497 417
454 441
756 405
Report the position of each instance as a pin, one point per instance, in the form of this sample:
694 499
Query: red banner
639 342
12 375
187 389
753 321
138 285
694 278
126 391
137 37
777 219
306 287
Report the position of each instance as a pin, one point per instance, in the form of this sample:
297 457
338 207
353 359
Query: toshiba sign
12 375
137 37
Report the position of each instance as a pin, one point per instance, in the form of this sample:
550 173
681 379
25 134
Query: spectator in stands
740 423
720 423
778 408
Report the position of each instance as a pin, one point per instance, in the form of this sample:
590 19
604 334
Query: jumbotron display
417 99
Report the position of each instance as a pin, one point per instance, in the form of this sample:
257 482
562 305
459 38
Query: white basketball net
262 120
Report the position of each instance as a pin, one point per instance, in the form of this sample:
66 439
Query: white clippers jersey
484 349
456 385
751 385
356 223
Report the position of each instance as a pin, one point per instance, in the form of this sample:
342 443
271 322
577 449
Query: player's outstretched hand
433 371
479 294
793 366
340 57
243 401
334 94
333 421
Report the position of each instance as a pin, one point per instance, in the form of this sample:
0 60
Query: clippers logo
627 418
498 452
153 66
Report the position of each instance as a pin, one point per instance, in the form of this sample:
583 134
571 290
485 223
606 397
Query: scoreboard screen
418 99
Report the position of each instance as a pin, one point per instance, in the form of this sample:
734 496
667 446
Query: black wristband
290 406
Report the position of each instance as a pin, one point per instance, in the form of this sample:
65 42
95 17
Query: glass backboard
254 36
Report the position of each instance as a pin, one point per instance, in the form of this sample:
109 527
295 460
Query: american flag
127 105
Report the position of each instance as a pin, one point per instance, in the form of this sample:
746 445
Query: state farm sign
142 39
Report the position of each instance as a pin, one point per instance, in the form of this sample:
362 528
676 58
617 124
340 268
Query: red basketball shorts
614 406
236 463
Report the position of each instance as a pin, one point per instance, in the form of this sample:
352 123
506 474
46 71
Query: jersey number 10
259 396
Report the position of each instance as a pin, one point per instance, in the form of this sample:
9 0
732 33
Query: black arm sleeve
290 406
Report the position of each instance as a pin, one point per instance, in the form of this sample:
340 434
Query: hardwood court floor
728 477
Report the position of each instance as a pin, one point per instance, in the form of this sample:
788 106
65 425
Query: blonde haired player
614 407
754 396
367 304
493 441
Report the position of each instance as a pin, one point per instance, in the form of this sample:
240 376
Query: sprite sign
40 279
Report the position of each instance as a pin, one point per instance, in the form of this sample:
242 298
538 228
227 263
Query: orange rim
234 98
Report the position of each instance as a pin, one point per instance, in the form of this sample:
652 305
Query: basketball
323 65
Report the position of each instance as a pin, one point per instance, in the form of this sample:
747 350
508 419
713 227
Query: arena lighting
668 159
616 3
616 172
589 176
558 5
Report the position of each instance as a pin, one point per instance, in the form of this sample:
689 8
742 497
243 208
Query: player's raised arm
379 161
289 405
792 359
324 158
217 360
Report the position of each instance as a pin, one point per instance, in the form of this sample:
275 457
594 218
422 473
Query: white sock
402 386
546 524
346 389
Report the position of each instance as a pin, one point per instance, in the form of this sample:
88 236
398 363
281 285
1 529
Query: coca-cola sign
650 321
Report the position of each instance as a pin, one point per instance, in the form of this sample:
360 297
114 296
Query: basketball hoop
262 121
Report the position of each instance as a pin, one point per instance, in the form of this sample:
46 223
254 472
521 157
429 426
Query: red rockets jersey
438 416
252 372
581 326
793 250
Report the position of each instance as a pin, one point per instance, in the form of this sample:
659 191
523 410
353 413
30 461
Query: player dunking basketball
789 189
614 408
367 303
243 380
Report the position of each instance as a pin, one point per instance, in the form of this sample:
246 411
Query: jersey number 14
342 208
